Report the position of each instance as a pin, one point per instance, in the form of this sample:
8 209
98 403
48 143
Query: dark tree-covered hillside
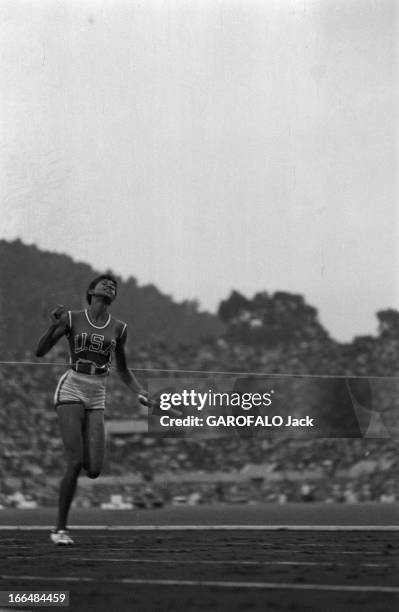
32 282
271 319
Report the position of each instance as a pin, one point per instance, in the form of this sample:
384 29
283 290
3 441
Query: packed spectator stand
147 470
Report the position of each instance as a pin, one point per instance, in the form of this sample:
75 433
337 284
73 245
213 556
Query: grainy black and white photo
199 305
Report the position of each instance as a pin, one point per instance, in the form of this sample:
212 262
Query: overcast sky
209 145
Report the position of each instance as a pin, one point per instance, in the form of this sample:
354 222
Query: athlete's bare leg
93 442
71 418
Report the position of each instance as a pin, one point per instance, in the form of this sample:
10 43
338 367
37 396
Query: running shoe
61 537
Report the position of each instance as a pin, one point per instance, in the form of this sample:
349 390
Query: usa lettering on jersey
93 343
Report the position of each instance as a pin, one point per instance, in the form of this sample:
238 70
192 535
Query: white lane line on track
206 562
274 550
207 527
215 583
220 562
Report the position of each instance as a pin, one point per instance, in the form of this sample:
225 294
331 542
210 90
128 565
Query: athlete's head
104 286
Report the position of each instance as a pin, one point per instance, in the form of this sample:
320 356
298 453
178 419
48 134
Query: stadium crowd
234 468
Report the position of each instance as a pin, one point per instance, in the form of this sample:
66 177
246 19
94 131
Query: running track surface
296 557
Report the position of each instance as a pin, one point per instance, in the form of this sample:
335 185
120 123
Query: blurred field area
220 557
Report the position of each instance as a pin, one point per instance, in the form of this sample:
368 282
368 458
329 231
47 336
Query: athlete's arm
124 373
57 329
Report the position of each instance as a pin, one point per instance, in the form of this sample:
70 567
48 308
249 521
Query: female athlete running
93 336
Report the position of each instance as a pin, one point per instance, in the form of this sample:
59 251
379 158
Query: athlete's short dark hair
96 280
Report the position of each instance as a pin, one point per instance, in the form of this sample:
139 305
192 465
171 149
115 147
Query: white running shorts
74 388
